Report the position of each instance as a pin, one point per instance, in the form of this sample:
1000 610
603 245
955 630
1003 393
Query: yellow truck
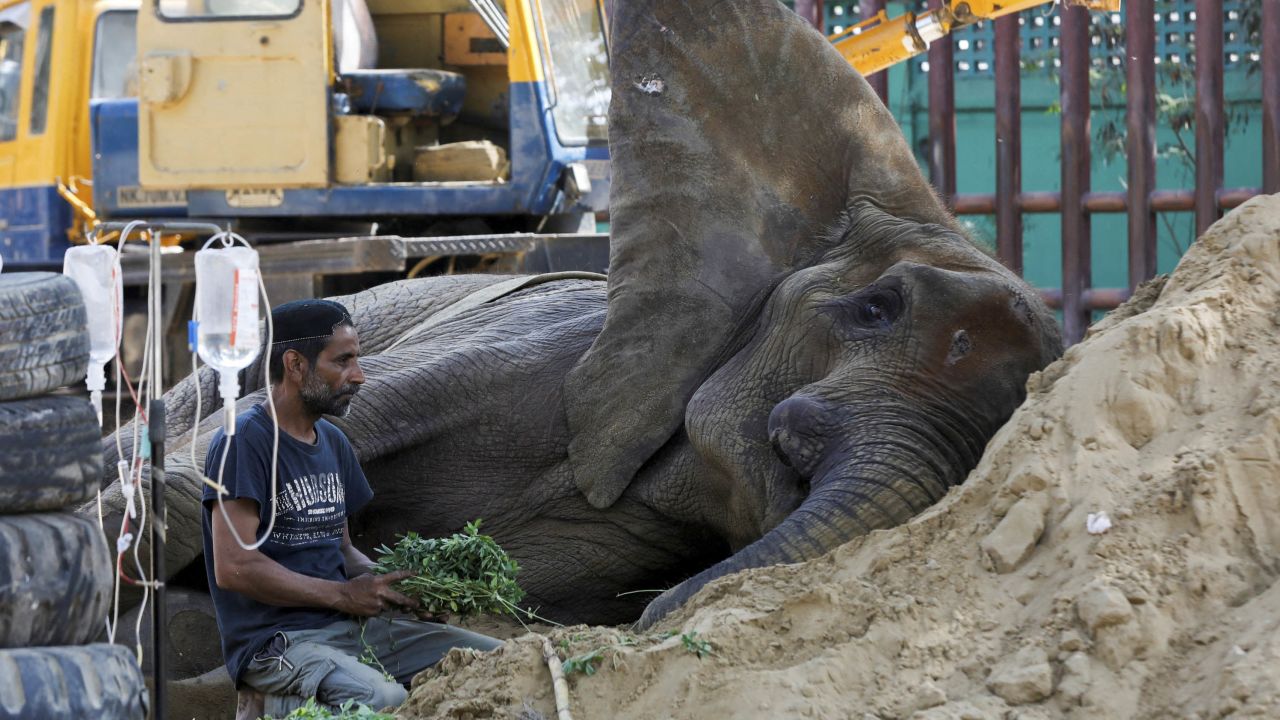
290 118
314 118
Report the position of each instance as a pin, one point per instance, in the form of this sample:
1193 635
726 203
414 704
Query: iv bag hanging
227 316
95 271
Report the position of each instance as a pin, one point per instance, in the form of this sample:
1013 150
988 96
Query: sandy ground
999 602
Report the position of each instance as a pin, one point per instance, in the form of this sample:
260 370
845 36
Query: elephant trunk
879 486
828 518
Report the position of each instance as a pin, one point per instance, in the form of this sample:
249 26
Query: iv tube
227 314
96 271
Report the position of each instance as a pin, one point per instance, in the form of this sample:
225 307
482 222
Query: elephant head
785 285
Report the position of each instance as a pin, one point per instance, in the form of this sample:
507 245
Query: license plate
255 197
135 197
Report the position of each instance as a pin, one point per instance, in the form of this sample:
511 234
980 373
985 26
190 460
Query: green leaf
346 711
584 663
466 573
701 648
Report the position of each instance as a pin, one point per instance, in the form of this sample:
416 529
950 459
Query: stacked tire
55 567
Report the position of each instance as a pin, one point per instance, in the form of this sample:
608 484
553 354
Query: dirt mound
1008 599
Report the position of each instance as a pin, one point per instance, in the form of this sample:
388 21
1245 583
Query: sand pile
1000 602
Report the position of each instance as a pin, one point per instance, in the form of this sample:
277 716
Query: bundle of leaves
464 574
349 710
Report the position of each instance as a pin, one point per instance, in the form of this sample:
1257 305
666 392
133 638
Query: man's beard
319 399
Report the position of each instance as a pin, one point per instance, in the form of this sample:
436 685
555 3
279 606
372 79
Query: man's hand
369 595
427 616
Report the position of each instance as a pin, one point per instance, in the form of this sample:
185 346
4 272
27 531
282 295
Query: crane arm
878 42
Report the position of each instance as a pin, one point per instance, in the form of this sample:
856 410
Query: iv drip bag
94 270
227 317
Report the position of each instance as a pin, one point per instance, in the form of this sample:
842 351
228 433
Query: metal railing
1074 201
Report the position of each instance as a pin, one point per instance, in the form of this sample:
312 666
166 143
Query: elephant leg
577 564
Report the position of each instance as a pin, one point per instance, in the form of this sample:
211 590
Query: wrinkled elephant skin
795 346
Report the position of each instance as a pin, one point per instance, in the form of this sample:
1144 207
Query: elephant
796 343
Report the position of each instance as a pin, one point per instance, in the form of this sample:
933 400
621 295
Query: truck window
222 9
13 30
578 69
40 89
115 44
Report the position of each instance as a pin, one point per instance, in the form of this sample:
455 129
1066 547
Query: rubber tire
91 681
44 336
55 580
50 454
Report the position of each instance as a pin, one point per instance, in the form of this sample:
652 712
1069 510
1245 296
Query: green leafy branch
348 710
465 574
590 662
368 656
585 663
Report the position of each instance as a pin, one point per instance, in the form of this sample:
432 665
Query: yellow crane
878 42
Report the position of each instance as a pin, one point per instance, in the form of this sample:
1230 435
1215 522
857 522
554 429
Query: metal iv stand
156 435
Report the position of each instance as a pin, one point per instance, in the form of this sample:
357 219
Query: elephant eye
869 311
877 309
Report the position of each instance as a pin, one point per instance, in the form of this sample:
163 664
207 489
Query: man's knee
386 694
439 636
367 688
474 640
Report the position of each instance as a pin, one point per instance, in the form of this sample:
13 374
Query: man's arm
257 576
357 562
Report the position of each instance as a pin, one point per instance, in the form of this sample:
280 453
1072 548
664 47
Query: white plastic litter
1097 523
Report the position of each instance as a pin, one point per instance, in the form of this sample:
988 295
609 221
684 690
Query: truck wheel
50 453
44 338
92 681
55 580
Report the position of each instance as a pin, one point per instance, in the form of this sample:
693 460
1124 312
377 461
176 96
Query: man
292 613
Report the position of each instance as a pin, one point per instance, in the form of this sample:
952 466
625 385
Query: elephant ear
738 136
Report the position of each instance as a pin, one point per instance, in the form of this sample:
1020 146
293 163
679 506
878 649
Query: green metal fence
975 123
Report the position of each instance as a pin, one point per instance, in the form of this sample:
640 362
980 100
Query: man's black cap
306 320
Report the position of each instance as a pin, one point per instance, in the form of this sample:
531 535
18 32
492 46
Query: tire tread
55 580
97 681
50 454
44 338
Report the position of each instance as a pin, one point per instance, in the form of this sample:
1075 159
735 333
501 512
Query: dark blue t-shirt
317 487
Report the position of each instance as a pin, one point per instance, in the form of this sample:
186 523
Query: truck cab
37 121
298 119
418 115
